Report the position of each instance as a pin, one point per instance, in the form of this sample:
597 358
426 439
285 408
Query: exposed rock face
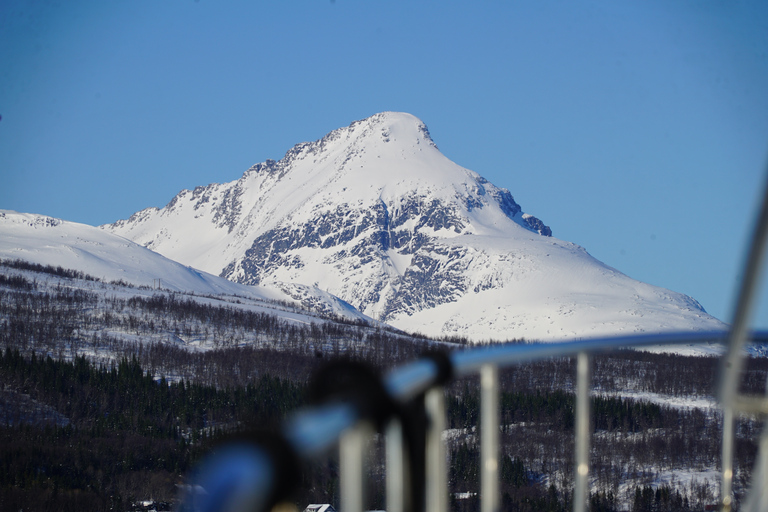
376 215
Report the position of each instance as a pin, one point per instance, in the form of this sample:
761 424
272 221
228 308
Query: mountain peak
393 126
383 139
375 214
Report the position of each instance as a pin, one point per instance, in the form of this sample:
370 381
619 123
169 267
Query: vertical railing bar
489 438
396 469
353 452
732 361
726 458
436 484
581 477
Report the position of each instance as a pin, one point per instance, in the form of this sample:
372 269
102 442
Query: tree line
147 404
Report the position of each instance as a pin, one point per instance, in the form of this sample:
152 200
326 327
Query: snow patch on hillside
48 241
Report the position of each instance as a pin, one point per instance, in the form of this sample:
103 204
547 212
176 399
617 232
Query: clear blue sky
637 129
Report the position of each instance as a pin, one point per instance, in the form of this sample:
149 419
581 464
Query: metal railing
250 477
247 476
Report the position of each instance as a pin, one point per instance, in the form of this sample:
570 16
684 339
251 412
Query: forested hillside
110 393
119 434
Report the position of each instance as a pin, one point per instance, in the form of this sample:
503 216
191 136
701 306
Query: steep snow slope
48 241
375 214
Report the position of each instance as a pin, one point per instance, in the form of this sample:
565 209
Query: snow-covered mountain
48 241
373 213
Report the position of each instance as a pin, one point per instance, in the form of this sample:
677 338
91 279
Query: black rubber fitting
355 382
444 366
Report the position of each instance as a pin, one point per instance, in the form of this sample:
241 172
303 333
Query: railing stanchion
489 438
733 361
436 484
397 469
353 453
726 459
581 478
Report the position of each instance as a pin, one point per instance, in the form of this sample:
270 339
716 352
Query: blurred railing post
732 361
397 470
582 415
489 438
436 484
353 457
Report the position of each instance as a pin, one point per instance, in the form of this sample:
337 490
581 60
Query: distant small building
320 507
